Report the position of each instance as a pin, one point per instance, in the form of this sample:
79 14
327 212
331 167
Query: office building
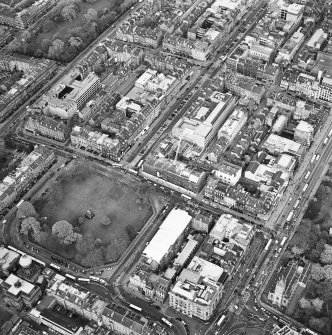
19 293
70 95
194 295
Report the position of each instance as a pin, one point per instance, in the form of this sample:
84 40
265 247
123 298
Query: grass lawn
80 189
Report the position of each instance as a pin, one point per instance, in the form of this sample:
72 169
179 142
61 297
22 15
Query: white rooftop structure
169 231
281 144
205 268
7 257
18 285
305 127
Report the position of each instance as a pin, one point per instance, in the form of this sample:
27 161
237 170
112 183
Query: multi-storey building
92 307
35 73
203 120
96 142
16 183
70 95
244 86
228 173
39 124
166 242
194 295
19 293
8 260
25 14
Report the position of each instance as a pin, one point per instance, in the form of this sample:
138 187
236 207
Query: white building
276 144
287 52
8 259
201 124
291 12
228 173
231 228
168 238
205 269
70 95
233 125
194 295
304 132
317 39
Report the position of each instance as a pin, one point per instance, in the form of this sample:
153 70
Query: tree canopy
65 232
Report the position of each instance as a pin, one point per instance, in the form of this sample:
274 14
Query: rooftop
169 231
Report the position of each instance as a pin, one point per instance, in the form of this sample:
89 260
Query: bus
185 197
222 319
133 171
54 266
38 261
313 158
330 133
169 324
305 187
283 241
94 278
309 331
14 249
268 245
70 277
296 203
290 215
116 165
136 308
83 280
325 141
140 163
307 175
19 203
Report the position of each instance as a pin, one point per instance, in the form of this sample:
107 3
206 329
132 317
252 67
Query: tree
91 15
26 36
116 248
317 272
45 44
326 256
65 232
305 303
26 210
297 250
56 49
317 304
328 272
69 13
322 325
106 221
85 244
75 42
28 224
95 257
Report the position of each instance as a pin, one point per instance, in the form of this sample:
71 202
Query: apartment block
17 182
42 125
25 14
35 73
95 142
194 295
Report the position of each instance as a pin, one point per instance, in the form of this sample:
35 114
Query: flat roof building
165 241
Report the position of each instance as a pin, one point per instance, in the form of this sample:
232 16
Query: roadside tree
26 210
